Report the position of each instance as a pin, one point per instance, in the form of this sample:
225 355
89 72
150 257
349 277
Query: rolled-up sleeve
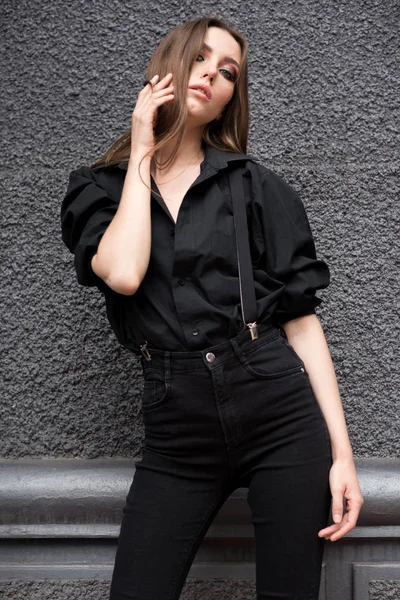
86 211
290 249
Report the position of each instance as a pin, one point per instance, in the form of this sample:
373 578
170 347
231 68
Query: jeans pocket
271 359
287 345
156 390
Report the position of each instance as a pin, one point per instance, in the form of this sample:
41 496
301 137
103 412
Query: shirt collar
218 159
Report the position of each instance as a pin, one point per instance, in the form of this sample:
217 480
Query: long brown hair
176 54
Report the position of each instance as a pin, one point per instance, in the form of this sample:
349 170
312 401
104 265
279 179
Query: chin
199 117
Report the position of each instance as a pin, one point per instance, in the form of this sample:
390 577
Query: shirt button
181 282
195 331
210 356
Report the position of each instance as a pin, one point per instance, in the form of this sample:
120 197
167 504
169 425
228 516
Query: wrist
344 456
136 157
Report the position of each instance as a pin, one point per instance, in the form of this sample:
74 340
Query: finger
155 91
163 99
335 532
155 103
353 514
156 97
163 92
353 507
163 82
328 531
150 83
354 500
337 506
341 532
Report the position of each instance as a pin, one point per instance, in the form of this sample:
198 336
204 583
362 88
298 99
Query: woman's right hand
144 115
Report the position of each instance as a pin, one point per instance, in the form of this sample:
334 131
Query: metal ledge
83 498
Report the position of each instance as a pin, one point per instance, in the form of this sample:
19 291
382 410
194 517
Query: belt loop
167 365
237 349
235 345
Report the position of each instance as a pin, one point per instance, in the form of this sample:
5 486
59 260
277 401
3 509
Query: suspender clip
144 351
253 330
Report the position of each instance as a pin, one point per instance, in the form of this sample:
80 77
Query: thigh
289 505
165 518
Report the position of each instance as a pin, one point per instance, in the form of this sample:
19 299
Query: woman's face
216 67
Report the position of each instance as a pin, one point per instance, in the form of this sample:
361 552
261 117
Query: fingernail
336 518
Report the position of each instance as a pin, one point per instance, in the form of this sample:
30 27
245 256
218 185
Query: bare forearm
307 338
124 250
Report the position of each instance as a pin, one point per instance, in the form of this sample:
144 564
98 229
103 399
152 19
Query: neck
189 150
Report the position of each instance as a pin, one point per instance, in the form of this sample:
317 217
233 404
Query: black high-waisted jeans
238 414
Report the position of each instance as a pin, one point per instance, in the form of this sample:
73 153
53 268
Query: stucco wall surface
324 81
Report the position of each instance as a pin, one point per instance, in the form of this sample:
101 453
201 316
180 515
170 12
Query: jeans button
210 356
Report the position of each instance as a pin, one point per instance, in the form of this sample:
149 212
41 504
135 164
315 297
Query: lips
202 89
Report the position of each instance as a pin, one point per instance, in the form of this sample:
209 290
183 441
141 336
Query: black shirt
189 298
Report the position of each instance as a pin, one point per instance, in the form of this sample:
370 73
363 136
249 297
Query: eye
230 76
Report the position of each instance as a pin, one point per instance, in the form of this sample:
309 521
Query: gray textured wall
384 590
94 590
325 115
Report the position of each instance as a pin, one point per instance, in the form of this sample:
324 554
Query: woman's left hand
343 482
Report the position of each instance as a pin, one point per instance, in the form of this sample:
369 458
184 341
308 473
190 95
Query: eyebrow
228 59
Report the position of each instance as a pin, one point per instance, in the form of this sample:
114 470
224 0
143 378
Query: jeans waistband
192 359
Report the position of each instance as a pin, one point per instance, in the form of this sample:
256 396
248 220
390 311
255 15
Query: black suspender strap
245 268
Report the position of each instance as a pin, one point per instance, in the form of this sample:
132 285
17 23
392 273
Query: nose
210 73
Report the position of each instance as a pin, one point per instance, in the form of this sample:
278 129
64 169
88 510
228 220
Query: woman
151 225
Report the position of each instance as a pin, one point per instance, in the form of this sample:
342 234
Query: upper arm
86 211
290 248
